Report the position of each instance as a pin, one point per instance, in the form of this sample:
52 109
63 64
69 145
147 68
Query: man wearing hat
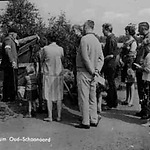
143 49
9 63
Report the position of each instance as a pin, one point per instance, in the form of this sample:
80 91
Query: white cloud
89 14
144 12
69 6
112 16
143 15
95 2
86 14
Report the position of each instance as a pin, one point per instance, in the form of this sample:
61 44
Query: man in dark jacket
143 29
9 63
109 68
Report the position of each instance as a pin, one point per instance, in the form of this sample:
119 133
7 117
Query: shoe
95 124
114 106
33 113
83 126
58 119
145 117
125 103
139 114
28 116
4 100
80 119
130 105
146 124
99 112
106 108
48 119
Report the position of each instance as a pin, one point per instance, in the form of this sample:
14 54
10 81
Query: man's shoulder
112 37
7 41
84 38
7 38
147 56
59 47
88 37
45 48
148 35
146 40
56 46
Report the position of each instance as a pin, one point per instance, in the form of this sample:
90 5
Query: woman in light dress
52 55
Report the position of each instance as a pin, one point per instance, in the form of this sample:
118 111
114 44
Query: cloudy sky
117 12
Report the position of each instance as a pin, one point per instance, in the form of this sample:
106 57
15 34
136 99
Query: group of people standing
136 67
91 62
51 57
133 60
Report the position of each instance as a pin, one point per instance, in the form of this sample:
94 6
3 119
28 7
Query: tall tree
68 38
23 15
62 29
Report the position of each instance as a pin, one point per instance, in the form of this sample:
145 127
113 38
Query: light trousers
87 98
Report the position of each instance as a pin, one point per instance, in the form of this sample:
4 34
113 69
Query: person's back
52 64
52 78
93 50
89 62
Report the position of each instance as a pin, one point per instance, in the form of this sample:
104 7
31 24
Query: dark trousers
140 87
9 84
112 99
140 84
146 100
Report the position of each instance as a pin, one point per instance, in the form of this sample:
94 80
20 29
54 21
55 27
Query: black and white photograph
74 75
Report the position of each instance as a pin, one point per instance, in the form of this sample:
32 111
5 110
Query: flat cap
144 24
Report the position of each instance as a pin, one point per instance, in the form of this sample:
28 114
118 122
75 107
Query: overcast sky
117 12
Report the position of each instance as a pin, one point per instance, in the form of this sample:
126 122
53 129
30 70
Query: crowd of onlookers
93 65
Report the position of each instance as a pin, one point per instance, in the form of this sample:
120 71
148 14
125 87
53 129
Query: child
31 93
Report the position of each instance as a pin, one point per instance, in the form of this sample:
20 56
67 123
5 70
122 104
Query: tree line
26 18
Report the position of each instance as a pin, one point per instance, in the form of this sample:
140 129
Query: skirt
53 88
31 95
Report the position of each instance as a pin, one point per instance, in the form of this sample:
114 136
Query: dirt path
119 129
